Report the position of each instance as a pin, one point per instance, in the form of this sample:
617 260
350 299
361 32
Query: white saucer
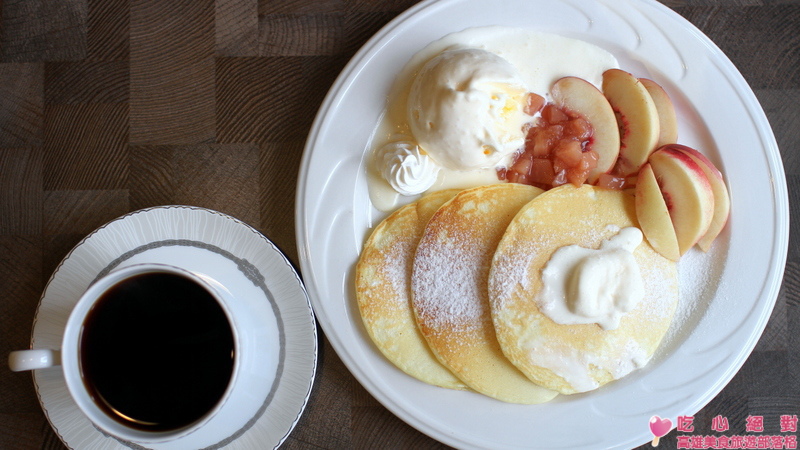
207 241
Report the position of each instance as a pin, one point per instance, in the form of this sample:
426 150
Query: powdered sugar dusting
700 275
449 281
510 273
398 269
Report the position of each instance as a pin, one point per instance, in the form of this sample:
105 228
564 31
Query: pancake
575 358
449 295
383 276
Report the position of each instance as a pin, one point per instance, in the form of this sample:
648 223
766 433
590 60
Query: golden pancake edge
575 358
449 290
383 277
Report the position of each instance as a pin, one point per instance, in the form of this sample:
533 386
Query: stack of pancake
447 290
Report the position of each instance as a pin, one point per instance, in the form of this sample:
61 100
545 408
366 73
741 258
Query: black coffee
157 352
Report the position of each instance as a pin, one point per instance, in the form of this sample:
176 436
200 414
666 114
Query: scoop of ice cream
465 109
407 169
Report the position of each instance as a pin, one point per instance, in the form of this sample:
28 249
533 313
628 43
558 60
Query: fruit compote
557 149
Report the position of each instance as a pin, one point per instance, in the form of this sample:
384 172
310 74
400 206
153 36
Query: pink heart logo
660 427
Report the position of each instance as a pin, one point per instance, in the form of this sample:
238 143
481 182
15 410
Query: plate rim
779 200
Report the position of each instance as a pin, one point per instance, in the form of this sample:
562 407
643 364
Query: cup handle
22 360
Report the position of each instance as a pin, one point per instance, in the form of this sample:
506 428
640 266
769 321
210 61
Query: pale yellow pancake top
449 290
575 358
383 276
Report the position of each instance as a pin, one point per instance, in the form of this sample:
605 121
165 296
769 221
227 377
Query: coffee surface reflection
157 352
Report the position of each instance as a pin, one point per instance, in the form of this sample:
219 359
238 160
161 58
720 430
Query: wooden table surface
108 106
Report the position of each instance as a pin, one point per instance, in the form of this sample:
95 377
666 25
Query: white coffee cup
245 392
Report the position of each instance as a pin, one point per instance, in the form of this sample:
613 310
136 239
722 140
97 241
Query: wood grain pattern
278 166
21 419
236 27
41 30
256 102
108 106
85 146
172 72
22 103
295 34
107 30
21 191
86 82
766 43
73 212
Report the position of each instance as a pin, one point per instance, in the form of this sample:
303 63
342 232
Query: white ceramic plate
229 251
727 295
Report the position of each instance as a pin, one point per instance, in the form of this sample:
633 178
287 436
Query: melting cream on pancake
582 285
575 366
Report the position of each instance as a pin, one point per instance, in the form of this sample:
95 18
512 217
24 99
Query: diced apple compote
534 104
557 150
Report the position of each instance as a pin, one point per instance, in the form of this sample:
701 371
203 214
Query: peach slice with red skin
637 119
667 119
579 96
722 202
653 215
687 193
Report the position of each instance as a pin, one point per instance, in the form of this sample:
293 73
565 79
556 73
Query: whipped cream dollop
582 286
466 108
406 167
